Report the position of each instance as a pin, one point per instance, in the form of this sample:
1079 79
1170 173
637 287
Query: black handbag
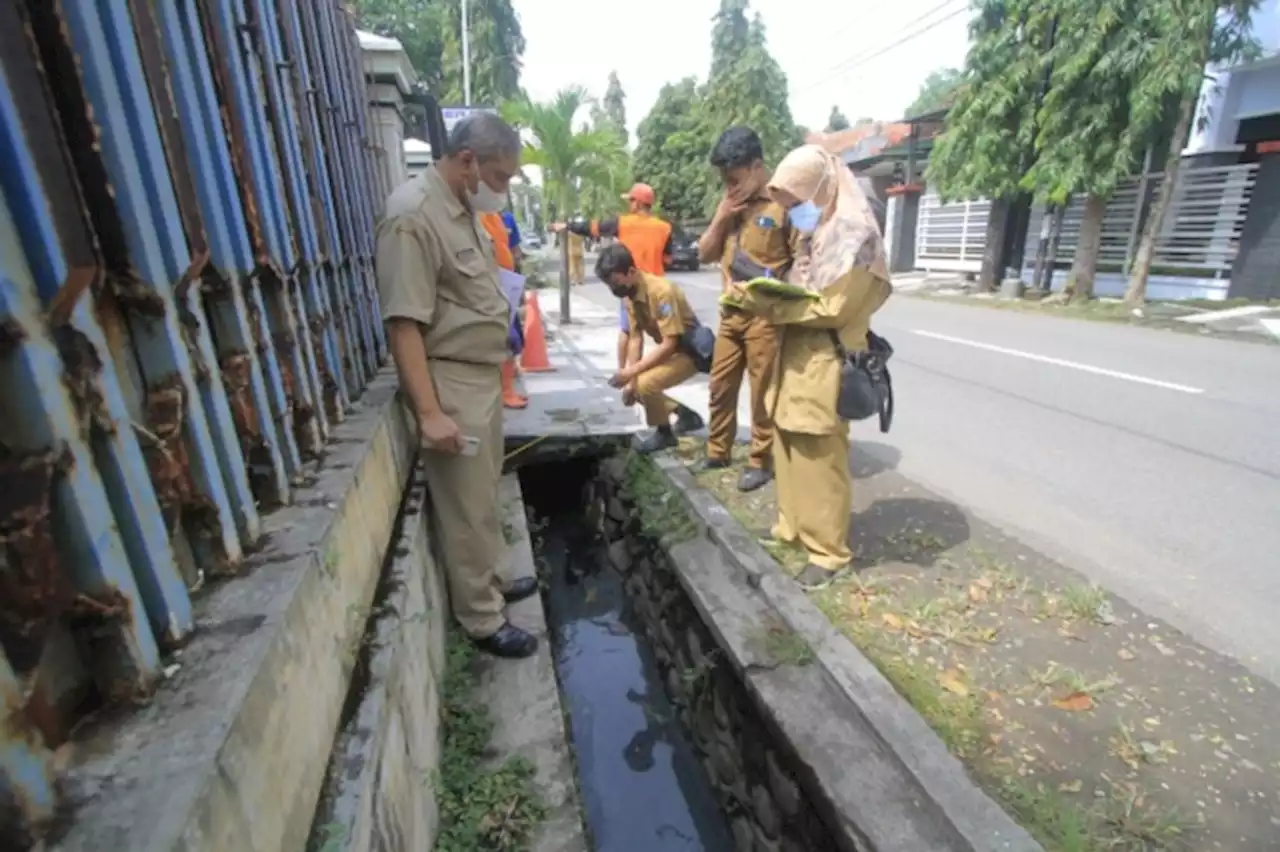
866 387
699 343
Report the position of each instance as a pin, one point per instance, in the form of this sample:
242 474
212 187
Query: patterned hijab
848 237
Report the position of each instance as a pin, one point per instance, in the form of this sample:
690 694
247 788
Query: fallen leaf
951 682
977 594
984 582
1071 786
1074 702
1126 655
893 622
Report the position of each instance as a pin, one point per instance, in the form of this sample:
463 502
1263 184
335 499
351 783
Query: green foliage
615 105
746 86
990 127
836 121
481 806
672 149
938 90
430 31
570 155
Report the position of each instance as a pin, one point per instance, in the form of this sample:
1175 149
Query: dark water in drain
641 783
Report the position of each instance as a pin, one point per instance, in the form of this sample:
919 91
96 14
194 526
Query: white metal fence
950 237
1200 235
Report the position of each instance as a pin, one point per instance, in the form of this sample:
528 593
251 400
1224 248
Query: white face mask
486 199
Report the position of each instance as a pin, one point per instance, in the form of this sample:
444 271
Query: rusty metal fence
187 307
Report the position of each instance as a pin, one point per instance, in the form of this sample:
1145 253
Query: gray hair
485 135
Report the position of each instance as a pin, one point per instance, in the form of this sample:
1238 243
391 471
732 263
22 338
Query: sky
828 49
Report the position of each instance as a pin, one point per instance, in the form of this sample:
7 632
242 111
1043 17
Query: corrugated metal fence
187 306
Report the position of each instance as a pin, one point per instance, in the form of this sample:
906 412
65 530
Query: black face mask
623 292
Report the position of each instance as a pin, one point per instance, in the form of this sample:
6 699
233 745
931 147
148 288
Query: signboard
454 114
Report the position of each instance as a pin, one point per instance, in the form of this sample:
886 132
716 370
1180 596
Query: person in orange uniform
501 239
751 237
646 236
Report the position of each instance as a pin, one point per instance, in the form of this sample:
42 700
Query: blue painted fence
187 308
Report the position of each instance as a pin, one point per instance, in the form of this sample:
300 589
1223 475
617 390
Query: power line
862 59
856 22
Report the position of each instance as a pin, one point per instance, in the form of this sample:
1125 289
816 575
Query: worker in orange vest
501 239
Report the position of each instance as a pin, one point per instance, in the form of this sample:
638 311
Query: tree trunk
1084 266
1136 293
1055 237
990 275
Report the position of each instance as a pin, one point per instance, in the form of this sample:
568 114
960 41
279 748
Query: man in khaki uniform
447 318
751 238
576 259
658 308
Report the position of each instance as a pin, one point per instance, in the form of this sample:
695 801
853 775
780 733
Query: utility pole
466 57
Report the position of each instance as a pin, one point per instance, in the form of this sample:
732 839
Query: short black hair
737 147
614 260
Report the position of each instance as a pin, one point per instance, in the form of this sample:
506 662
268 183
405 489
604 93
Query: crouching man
658 308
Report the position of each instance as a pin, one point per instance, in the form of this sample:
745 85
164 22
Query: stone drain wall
748 762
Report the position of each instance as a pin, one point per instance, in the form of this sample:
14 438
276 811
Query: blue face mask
805 217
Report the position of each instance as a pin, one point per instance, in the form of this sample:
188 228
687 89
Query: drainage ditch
671 751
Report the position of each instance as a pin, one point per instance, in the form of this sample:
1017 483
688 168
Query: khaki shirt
659 309
765 236
806 381
435 265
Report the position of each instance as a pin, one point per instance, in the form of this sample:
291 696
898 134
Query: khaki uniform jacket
436 266
764 235
806 381
659 309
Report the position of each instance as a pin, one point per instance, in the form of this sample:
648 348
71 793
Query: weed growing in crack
482 806
786 647
660 510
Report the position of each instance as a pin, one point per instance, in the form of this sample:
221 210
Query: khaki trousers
576 273
652 385
744 343
464 494
815 495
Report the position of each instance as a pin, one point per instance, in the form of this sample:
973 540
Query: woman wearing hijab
841 264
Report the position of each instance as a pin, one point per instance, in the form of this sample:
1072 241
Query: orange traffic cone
534 357
511 398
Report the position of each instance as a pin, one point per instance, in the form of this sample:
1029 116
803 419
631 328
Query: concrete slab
523 697
231 753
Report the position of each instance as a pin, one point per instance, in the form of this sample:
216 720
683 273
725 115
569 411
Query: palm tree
572 157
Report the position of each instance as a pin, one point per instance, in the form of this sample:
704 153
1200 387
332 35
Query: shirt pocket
764 239
474 279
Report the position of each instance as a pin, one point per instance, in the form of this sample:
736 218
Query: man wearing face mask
751 237
447 321
658 308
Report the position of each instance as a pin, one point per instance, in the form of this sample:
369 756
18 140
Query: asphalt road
1147 460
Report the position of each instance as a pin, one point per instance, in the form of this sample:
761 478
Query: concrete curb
232 752
923 763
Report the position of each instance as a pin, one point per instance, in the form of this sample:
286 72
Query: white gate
951 237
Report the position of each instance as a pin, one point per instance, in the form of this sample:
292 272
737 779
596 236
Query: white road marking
1228 313
1059 362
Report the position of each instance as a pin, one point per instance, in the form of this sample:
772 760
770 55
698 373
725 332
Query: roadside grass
1094 725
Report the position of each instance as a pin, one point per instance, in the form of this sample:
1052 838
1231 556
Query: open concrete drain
671 753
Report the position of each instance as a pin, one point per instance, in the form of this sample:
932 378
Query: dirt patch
1097 726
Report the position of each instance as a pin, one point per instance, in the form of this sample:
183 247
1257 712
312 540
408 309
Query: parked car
531 242
684 252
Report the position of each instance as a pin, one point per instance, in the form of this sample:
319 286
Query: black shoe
520 588
688 420
509 641
659 439
710 464
815 577
753 478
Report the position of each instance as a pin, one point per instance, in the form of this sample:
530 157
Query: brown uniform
435 266
659 309
747 343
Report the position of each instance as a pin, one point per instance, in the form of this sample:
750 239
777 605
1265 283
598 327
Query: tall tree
730 34
836 121
671 151
937 91
1205 32
431 32
989 141
569 154
615 105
